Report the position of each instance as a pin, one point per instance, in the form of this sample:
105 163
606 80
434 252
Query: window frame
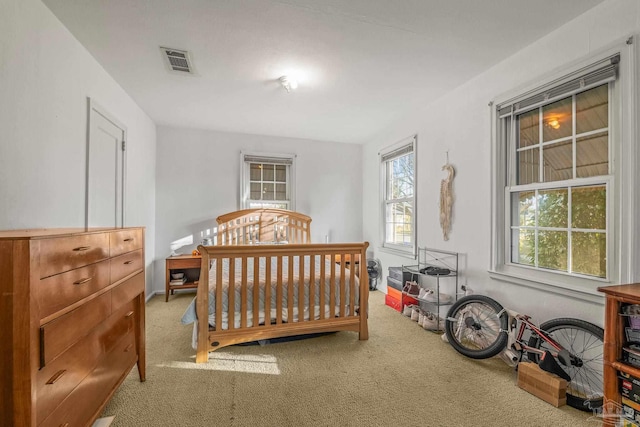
384 156
247 158
512 187
621 197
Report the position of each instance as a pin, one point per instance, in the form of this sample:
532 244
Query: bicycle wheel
476 326
585 342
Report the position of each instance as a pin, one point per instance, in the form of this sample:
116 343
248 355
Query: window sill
573 287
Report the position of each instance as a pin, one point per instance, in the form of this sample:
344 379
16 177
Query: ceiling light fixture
288 83
553 123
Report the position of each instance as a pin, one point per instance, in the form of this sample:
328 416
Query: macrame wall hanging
446 199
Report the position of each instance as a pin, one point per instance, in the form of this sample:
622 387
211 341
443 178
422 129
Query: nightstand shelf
187 264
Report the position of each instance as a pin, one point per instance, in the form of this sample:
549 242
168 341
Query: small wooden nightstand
185 264
347 261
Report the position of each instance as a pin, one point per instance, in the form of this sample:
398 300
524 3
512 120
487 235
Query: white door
105 171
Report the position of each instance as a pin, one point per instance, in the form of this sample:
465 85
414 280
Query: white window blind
596 74
252 158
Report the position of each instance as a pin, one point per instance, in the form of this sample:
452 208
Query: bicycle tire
476 326
585 340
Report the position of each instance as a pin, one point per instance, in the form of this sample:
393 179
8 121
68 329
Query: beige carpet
402 376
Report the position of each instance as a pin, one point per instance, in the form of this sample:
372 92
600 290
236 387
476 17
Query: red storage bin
392 302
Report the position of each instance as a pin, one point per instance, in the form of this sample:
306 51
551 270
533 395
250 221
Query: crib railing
252 226
330 296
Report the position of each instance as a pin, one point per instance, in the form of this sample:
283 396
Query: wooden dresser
71 322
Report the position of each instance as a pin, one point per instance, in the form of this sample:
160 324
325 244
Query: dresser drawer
119 362
119 324
55 381
96 387
63 332
126 264
125 241
127 291
57 292
61 254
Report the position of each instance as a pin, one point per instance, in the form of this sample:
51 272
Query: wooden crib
271 248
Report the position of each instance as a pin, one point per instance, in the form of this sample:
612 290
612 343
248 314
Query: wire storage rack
437 279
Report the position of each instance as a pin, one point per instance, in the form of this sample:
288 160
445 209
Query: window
267 181
398 178
558 192
555 147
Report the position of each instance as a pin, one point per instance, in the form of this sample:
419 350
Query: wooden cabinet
71 322
189 265
617 297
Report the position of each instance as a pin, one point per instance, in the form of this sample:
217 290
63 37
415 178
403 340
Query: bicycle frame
522 323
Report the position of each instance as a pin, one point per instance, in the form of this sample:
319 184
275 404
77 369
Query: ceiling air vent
177 60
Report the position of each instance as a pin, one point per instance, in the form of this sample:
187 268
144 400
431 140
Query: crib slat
267 291
279 292
352 284
332 287
243 293
256 291
301 288
290 291
323 285
218 288
312 287
232 293
343 284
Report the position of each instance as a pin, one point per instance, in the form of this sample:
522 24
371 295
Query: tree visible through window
398 169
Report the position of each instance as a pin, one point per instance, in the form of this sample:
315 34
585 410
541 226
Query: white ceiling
362 64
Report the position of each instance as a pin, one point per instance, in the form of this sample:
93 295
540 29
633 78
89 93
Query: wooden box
545 385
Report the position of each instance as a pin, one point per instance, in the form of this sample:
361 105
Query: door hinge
124 145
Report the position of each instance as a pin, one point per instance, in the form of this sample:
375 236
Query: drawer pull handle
56 376
126 350
81 248
81 281
129 239
129 314
128 262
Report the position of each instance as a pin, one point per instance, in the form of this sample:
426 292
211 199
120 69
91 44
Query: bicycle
478 327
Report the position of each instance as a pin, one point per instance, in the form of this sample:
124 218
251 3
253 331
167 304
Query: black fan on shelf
374 269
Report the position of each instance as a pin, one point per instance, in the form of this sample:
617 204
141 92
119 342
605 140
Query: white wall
198 179
460 123
46 77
